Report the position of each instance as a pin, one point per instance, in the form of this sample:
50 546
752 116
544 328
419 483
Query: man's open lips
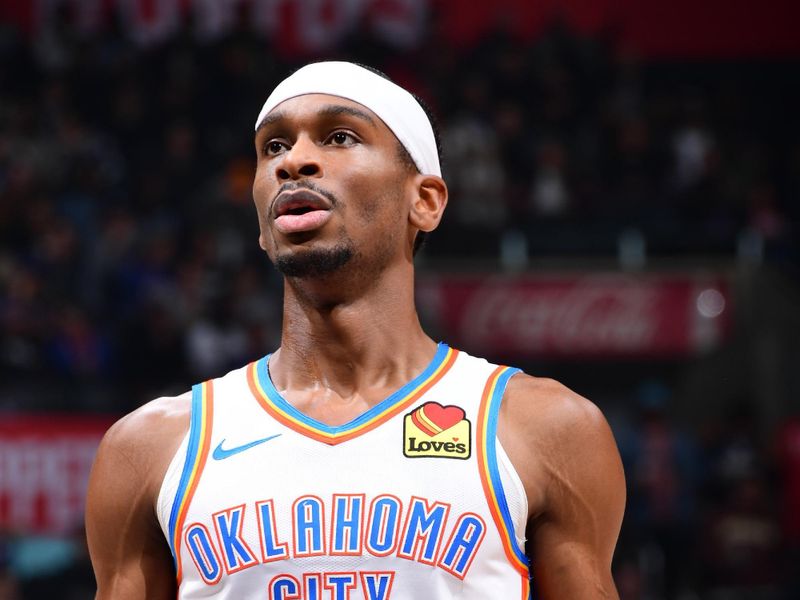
299 211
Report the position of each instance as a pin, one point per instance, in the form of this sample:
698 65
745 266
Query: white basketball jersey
413 500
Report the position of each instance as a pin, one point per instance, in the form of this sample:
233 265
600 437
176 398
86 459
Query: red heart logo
444 417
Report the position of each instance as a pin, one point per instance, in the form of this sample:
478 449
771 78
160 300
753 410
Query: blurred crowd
592 150
129 263
710 515
125 173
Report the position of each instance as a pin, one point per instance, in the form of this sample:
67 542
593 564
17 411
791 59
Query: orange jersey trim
279 409
205 421
490 480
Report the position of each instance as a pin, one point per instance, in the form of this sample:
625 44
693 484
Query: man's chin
314 262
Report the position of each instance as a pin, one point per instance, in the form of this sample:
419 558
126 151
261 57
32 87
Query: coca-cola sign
585 315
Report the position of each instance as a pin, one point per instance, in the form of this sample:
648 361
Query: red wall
675 29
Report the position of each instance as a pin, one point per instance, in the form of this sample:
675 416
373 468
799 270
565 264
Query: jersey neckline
276 405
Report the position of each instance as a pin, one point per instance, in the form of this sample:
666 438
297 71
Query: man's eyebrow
271 118
329 110
334 110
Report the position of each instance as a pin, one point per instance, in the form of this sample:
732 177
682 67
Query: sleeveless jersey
414 499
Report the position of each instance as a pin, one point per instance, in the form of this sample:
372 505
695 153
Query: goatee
314 263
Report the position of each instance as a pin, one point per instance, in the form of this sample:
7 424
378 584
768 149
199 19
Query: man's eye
341 138
274 147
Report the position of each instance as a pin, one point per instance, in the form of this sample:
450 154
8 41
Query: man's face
329 186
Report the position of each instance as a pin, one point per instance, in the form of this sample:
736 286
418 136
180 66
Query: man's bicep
130 557
572 542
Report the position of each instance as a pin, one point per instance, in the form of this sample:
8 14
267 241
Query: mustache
293 186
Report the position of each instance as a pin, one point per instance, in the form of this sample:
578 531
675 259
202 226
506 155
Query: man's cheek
260 186
267 242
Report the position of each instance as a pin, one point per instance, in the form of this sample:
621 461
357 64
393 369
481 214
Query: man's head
330 181
395 106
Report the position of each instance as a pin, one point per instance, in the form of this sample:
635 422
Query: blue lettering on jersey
203 553
377 585
463 545
312 586
309 525
415 532
271 548
340 585
347 517
235 551
284 587
422 532
383 520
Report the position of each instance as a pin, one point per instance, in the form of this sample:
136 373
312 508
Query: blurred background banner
585 315
680 28
624 216
44 467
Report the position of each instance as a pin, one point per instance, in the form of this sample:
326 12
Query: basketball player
360 460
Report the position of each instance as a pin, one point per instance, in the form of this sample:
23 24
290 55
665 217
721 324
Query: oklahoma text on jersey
349 525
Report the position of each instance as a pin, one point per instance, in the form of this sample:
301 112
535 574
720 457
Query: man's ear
428 203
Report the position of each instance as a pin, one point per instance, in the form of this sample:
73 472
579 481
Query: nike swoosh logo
221 453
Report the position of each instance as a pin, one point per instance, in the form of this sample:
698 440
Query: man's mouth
299 211
298 203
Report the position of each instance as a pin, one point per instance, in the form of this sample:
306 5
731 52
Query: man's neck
350 345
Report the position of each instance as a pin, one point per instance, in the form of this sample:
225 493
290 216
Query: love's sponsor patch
436 431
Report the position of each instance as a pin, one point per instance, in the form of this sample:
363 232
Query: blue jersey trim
192 451
384 405
491 453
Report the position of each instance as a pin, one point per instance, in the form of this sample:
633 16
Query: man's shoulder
126 542
554 436
145 436
165 412
547 407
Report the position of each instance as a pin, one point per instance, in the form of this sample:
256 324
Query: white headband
394 105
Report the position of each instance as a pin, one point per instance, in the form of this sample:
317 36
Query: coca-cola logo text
576 318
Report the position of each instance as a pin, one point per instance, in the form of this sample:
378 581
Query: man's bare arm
129 553
566 455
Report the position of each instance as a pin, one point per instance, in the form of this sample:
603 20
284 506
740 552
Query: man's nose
301 160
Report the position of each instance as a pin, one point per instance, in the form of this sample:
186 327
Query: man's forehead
321 106
395 107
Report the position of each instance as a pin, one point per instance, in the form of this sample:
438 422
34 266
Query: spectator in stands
661 468
474 168
741 545
787 451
